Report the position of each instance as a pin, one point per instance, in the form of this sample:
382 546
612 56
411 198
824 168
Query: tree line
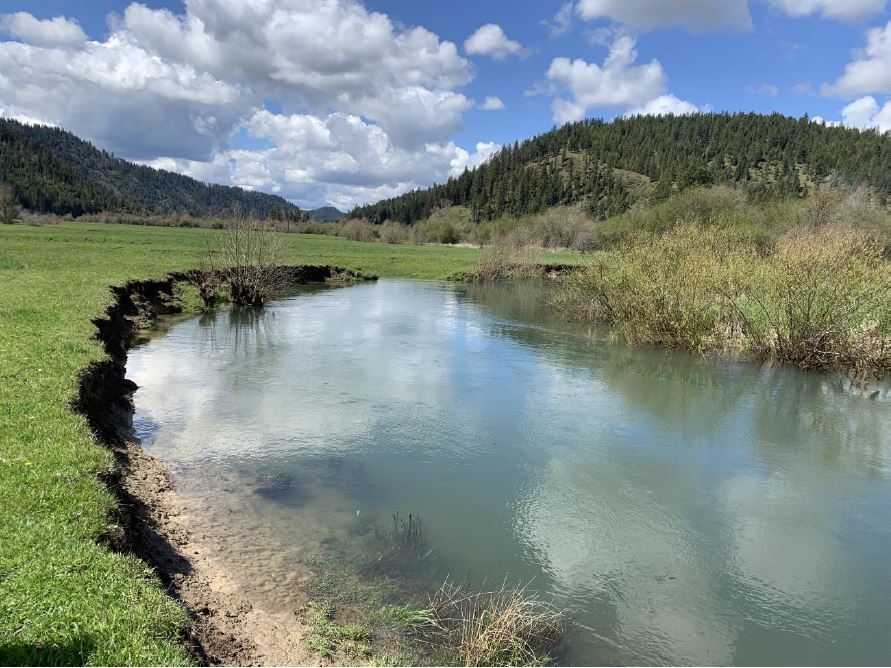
52 171
771 156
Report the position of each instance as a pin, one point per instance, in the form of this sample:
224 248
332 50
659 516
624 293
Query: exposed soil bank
227 628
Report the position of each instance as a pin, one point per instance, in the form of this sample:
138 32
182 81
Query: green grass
64 597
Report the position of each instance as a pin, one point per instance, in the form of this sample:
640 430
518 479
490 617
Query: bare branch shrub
391 232
356 229
250 254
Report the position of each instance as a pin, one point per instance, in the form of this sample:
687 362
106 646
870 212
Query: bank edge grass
64 597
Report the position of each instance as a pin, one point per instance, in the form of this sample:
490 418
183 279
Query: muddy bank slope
226 627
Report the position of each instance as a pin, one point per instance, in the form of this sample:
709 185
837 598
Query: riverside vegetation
65 597
818 296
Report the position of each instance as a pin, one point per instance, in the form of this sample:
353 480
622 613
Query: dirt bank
228 628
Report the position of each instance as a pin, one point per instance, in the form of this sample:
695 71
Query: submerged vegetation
371 600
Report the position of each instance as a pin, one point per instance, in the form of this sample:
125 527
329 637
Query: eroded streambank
227 628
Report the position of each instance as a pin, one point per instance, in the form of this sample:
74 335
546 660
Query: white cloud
616 83
845 10
492 104
663 106
318 56
803 88
57 31
562 21
696 15
368 106
870 72
338 158
862 114
102 91
490 40
865 113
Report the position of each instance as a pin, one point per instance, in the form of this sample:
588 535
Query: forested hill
53 171
607 165
326 214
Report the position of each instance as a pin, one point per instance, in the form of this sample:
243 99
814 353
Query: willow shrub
819 300
822 301
673 290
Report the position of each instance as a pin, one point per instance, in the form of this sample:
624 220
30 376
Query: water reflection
687 510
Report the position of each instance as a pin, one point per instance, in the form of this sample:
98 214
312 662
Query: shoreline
227 628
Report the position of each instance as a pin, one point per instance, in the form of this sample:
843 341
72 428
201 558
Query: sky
343 102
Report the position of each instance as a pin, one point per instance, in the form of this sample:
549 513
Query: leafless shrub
356 229
391 232
250 253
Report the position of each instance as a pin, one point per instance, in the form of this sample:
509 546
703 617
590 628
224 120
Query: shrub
823 301
250 253
820 300
9 206
669 290
357 229
392 233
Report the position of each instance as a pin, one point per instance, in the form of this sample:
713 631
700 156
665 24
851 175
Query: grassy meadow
64 597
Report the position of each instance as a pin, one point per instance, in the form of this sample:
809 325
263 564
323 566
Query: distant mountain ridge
326 214
53 171
607 165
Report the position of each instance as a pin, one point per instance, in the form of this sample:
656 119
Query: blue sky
336 101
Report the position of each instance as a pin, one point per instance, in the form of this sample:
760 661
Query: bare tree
250 255
9 206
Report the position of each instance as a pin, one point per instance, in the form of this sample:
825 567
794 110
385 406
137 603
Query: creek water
683 510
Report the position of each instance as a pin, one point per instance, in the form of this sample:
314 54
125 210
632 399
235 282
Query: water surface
684 510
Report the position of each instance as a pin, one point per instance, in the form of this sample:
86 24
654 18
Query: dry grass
506 627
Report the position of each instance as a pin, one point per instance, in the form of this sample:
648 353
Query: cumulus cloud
492 104
318 56
870 72
368 107
104 90
696 15
865 113
57 31
338 158
663 106
490 40
616 83
845 10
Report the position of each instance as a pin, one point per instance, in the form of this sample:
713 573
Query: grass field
64 598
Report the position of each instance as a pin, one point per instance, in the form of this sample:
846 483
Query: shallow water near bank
683 510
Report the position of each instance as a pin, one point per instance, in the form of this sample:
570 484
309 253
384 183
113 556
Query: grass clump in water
505 627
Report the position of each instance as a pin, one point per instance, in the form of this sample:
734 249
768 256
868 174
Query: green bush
819 300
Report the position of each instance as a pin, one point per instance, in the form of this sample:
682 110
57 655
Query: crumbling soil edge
225 629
